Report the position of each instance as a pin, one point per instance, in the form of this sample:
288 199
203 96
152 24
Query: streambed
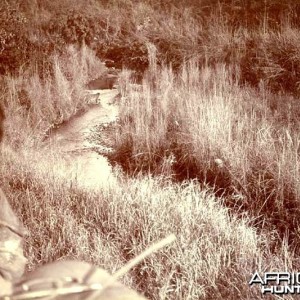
71 140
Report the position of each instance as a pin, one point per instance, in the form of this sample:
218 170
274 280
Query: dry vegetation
221 134
34 104
209 147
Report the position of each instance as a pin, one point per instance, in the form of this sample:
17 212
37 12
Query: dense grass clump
201 124
110 226
34 105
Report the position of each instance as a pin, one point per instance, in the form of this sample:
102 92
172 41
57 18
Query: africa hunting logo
277 283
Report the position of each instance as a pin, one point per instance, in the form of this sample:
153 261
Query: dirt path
71 141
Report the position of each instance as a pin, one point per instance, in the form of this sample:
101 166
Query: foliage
208 136
259 36
13 38
70 27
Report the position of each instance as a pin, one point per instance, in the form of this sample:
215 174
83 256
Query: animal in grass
59 280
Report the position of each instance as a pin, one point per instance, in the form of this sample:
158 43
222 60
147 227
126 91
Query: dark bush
13 38
72 27
125 53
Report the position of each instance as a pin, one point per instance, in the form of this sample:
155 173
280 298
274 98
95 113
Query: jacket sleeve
12 232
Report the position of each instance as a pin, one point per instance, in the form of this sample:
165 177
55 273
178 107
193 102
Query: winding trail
73 143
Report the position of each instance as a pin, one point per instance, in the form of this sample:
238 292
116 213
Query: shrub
13 38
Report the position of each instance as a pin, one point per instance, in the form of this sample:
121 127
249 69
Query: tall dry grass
34 104
214 256
178 124
207 127
198 122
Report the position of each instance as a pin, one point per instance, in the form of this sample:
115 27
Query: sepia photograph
149 149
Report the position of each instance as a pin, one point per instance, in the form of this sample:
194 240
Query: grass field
207 150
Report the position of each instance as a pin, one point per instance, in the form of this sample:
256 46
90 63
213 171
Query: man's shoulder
12 231
8 218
